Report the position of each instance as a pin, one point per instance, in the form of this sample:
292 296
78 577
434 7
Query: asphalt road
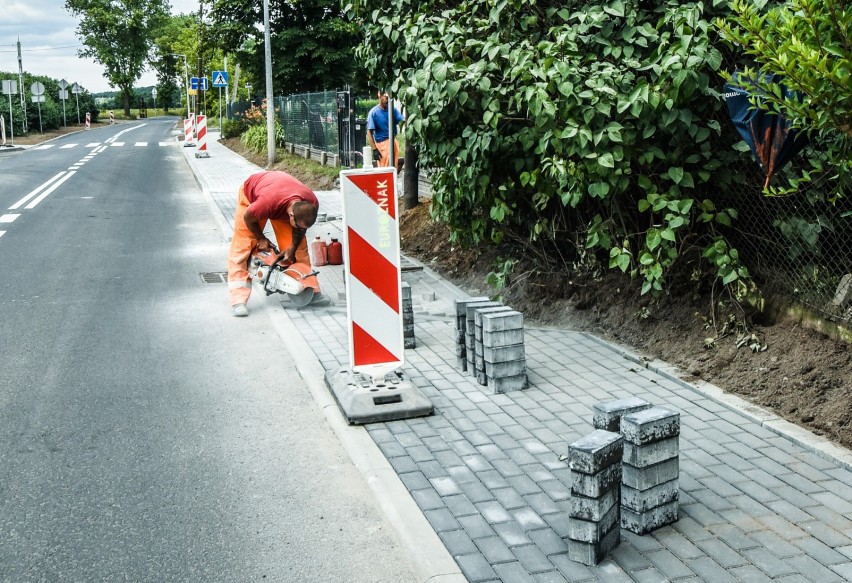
145 433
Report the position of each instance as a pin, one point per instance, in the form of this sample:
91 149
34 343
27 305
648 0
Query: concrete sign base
364 400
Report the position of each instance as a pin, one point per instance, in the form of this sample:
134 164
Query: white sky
49 44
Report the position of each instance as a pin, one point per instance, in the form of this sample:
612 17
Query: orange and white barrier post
373 271
111 118
202 137
88 120
2 131
187 132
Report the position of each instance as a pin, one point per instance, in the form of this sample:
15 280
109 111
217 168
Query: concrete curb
816 444
429 558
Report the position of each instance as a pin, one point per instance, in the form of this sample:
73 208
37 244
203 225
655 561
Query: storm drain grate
214 277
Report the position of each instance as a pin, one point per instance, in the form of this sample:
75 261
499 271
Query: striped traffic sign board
372 264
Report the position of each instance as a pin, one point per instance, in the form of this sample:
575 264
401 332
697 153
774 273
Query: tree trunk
126 102
412 176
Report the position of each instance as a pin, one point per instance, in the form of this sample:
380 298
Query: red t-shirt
270 194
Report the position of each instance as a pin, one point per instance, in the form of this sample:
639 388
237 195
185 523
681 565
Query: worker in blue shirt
377 130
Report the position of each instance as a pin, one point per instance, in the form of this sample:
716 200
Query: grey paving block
512 534
669 564
502 338
476 526
650 476
458 542
592 553
493 512
427 499
820 551
442 520
750 574
649 520
494 549
597 485
607 414
513 572
509 353
641 456
643 500
722 553
594 509
593 531
509 498
595 452
650 425
813 569
505 368
709 570
475 568
548 541
498 321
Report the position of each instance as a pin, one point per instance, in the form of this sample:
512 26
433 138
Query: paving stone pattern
490 471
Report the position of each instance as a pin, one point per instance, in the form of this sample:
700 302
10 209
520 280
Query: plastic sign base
365 400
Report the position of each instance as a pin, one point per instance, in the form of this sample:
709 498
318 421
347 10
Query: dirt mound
801 375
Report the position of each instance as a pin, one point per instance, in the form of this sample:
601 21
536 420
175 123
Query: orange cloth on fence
239 283
384 150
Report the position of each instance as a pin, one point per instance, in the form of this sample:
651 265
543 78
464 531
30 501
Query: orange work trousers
244 241
384 150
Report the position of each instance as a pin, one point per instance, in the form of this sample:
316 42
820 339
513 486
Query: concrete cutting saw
276 276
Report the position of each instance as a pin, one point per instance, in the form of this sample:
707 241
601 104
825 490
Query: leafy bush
254 138
545 119
232 128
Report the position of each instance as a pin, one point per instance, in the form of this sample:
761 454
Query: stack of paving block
649 489
470 331
594 523
607 415
461 329
408 339
478 358
501 349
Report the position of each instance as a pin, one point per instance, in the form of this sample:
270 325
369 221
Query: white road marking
44 194
8 218
35 192
93 145
44 147
66 146
119 144
2 233
168 143
142 144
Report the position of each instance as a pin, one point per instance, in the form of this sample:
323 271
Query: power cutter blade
302 299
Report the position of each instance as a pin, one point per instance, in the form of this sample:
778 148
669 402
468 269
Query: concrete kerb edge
816 444
429 558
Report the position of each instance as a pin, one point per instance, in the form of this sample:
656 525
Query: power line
42 49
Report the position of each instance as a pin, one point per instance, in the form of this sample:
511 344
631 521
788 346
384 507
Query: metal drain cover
214 277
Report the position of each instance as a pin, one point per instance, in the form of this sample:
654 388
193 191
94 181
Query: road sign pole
11 121
220 112
64 119
77 95
40 130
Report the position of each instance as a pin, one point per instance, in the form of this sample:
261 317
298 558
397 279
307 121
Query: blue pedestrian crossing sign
220 78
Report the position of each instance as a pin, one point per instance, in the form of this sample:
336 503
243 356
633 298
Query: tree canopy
118 34
312 44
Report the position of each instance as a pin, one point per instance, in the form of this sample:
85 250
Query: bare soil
802 375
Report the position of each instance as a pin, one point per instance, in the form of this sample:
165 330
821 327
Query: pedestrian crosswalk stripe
141 143
67 146
43 147
93 145
8 218
117 144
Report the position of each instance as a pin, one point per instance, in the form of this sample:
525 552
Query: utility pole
21 84
200 70
270 104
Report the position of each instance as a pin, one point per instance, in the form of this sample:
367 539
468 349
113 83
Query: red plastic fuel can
319 252
335 252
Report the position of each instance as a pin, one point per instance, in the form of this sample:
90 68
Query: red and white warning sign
372 264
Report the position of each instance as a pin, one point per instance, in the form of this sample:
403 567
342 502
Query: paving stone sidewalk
490 471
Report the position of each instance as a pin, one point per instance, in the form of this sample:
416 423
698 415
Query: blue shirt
377 120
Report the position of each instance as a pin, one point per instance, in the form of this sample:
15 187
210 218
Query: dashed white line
117 144
44 194
167 143
8 218
93 145
36 191
140 144
66 146
44 147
